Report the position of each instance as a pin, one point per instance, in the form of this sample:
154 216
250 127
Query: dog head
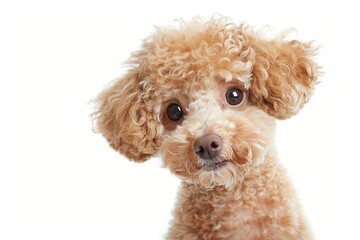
205 96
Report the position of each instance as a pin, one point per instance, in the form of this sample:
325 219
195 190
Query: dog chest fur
262 206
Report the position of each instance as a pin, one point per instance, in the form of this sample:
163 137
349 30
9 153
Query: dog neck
259 200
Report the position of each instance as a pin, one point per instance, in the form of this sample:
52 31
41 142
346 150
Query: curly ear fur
283 79
284 76
125 121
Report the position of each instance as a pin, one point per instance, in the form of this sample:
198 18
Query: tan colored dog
206 96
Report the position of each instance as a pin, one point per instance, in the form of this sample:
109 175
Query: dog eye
175 112
234 96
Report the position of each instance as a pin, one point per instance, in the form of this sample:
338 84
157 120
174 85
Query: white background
59 180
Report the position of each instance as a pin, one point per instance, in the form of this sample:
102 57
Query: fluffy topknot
279 74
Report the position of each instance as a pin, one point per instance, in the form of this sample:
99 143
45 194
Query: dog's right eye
174 112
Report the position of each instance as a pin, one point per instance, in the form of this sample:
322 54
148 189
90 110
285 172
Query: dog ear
284 76
125 121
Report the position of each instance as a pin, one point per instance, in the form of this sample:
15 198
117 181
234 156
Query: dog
205 96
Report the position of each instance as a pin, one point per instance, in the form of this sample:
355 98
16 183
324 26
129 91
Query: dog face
205 97
219 136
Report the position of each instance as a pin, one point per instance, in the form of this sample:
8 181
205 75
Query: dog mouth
213 165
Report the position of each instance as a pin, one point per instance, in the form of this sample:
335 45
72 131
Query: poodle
205 96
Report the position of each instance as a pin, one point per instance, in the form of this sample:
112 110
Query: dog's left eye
234 96
174 112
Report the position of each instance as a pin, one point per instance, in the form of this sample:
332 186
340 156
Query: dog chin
225 175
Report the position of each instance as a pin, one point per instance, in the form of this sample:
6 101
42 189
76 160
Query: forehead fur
196 51
195 56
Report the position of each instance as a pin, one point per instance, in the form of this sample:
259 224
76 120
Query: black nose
208 146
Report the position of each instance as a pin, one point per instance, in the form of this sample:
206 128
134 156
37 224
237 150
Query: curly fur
192 65
126 121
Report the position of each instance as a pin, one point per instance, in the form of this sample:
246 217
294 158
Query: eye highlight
174 112
235 96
